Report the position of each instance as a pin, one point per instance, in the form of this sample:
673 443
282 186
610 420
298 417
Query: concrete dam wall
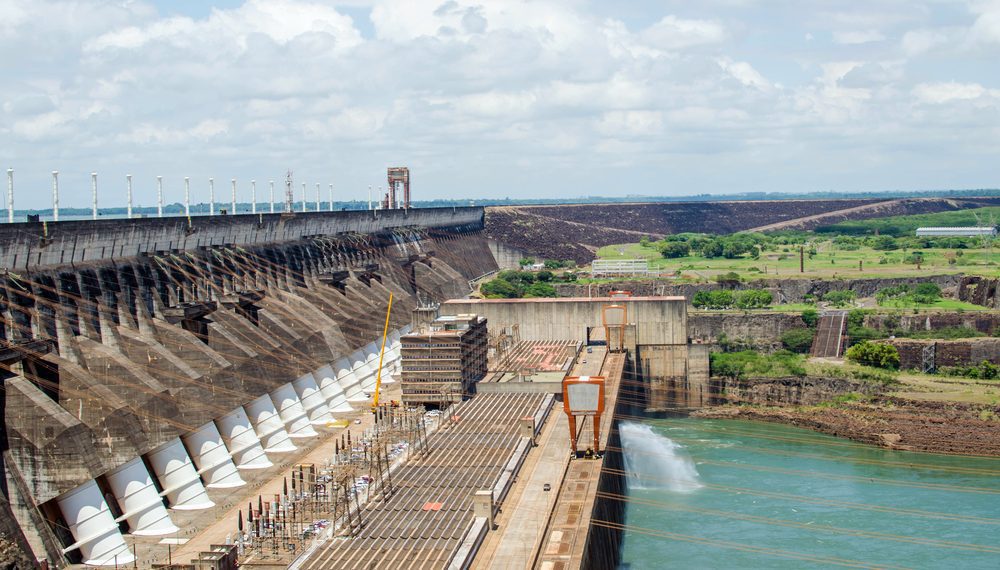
30 245
147 363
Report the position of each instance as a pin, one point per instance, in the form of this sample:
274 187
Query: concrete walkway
522 522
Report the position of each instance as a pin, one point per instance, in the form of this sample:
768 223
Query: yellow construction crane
378 379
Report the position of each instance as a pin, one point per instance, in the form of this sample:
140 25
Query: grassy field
906 225
917 386
828 263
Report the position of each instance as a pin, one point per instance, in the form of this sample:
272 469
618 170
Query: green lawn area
941 304
828 263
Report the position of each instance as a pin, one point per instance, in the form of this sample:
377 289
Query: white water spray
656 462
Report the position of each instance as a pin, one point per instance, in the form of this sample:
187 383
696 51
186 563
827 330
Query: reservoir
737 494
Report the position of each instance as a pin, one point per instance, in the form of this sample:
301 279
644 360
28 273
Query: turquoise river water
735 494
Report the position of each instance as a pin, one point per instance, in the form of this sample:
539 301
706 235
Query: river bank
887 421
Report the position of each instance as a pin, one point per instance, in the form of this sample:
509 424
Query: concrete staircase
831 335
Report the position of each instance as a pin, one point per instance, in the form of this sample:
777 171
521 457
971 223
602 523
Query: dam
163 377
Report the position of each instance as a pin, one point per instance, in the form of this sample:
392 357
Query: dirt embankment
576 231
896 423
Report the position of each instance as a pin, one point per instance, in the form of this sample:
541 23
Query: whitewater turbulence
654 461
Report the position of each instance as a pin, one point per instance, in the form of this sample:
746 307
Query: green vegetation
838 251
798 340
749 363
840 298
849 371
726 299
843 399
877 355
985 370
922 294
907 225
548 263
514 284
810 317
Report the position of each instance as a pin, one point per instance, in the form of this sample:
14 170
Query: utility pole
128 183
159 196
55 196
93 192
10 195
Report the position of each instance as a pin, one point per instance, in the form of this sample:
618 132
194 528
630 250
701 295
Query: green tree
840 298
553 264
526 261
730 279
797 340
884 243
715 299
544 276
752 299
810 317
927 292
499 289
712 248
540 290
675 249
876 354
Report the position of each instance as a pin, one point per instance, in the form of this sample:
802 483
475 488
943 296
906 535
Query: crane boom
385 333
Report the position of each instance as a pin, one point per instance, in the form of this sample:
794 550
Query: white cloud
916 42
630 123
673 33
855 37
452 87
744 73
938 93
279 20
986 28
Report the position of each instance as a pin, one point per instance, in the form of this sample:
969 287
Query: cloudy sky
500 98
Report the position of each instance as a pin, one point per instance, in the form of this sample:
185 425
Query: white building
970 231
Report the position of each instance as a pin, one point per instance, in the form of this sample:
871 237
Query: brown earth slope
896 423
576 231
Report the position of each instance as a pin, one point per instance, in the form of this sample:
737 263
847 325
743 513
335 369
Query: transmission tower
288 192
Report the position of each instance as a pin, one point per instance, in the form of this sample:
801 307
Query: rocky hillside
576 231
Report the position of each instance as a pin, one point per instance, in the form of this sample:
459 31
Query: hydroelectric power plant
319 390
